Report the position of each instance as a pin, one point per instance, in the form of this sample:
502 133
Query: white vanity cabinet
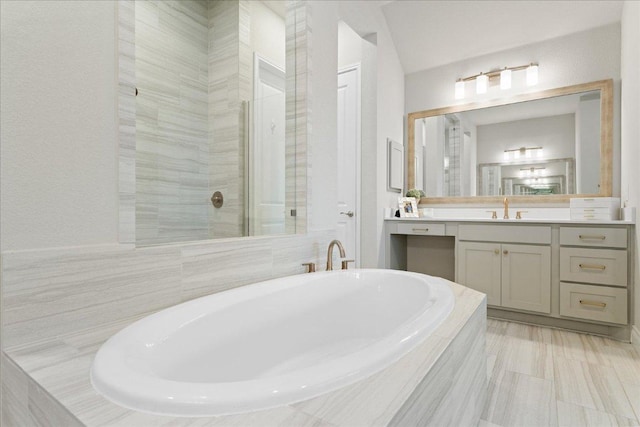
560 273
512 275
594 274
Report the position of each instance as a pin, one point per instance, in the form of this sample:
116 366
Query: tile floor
546 377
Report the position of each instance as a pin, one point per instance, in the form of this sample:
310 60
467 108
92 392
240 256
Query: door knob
348 213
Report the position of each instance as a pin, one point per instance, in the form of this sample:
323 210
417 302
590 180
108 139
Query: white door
266 147
348 164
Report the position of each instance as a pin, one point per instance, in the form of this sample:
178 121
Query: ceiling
431 33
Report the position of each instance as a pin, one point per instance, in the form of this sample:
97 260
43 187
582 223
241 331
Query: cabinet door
479 268
526 277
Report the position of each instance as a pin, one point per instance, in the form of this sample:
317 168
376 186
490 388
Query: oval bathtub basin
271 343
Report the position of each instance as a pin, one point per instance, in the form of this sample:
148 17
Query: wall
556 134
588 146
58 124
382 118
630 111
577 58
267 33
324 101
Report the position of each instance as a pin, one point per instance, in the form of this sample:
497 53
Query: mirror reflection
210 117
547 146
527 148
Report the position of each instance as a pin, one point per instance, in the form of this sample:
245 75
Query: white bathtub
271 343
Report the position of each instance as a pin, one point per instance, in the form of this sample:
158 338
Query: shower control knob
217 200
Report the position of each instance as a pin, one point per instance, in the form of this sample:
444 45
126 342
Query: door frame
357 67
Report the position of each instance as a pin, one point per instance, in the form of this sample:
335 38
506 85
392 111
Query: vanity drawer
421 228
590 302
600 266
534 234
594 237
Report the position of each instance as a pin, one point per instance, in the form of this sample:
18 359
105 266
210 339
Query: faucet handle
311 267
345 263
494 214
519 214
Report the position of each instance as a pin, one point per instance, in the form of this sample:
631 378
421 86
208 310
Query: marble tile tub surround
48 293
442 381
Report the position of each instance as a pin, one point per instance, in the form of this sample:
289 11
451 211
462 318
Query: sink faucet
506 208
330 253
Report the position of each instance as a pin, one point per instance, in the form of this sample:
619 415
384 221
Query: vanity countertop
516 221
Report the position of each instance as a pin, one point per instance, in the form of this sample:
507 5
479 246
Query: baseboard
635 335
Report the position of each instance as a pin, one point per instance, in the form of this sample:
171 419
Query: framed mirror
546 146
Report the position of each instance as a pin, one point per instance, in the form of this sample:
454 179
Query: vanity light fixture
482 81
505 79
504 75
532 171
516 153
460 89
532 75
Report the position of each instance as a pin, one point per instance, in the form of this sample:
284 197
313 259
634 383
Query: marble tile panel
467 397
126 122
570 415
461 401
527 357
633 394
626 362
526 332
520 400
484 423
458 318
15 394
375 400
46 411
52 293
592 386
579 347
213 267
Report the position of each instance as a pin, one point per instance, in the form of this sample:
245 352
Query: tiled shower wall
193 71
172 138
230 68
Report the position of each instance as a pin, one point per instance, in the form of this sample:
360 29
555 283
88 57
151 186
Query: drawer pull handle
591 237
593 303
592 266
420 229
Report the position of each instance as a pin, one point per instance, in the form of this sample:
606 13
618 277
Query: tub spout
330 253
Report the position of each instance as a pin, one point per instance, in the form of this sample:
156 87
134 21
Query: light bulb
460 89
532 75
540 153
506 155
516 154
505 79
481 83
527 154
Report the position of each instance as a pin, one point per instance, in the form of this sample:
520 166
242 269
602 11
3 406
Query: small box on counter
594 208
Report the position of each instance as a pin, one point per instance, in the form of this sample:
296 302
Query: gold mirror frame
606 142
